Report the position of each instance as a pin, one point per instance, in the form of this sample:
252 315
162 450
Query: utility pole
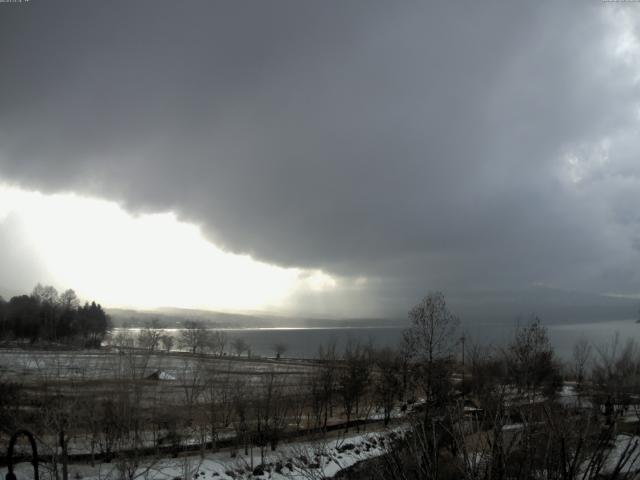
462 340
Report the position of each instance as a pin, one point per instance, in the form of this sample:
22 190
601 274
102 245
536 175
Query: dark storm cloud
424 144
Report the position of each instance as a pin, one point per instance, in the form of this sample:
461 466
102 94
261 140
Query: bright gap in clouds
145 261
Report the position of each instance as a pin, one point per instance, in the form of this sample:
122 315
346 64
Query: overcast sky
386 148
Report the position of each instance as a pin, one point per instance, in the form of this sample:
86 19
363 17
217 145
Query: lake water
305 342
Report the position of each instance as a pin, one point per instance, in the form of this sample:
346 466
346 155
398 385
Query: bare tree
68 299
45 293
193 336
241 415
167 342
298 396
218 405
323 384
47 297
240 346
387 385
353 378
487 370
580 359
270 412
616 375
218 342
123 339
149 337
430 340
532 366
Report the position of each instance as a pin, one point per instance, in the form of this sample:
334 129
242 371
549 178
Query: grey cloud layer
421 143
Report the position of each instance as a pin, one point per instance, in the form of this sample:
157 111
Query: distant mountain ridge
177 317
552 306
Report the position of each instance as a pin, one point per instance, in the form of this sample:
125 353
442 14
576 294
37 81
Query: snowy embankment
621 457
322 458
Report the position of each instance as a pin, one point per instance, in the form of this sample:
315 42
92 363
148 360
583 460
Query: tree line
494 413
194 337
514 411
46 315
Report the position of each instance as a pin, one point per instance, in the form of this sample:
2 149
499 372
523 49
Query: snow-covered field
623 455
159 377
292 461
34 365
